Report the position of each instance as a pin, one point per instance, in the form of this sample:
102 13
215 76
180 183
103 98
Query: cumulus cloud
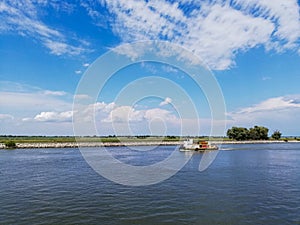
167 101
160 114
110 118
54 117
113 113
124 114
78 71
214 30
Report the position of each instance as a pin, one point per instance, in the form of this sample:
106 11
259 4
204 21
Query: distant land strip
130 143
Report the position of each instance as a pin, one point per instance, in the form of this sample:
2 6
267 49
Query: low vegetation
235 133
10 144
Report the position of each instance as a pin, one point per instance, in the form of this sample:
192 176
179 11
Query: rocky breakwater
90 144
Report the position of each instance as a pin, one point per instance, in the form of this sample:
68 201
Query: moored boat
200 146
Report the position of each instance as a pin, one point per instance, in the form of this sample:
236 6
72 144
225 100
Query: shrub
10 144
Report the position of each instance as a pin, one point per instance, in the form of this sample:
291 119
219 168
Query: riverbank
89 144
139 143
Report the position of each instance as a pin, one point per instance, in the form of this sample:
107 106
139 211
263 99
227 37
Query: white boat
200 146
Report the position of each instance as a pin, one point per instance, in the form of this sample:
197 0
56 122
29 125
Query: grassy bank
70 139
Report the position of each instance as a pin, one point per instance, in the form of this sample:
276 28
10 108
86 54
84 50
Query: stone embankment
116 144
90 144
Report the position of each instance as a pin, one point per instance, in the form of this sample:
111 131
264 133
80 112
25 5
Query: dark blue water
257 184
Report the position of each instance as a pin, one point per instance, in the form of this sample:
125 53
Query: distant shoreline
140 143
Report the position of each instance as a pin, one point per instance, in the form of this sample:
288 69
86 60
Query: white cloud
169 69
6 117
78 71
96 12
160 114
99 110
277 113
32 108
79 97
54 117
22 17
104 107
124 114
86 64
125 120
214 30
266 78
285 14
60 48
167 101
273 104
23 100
55 93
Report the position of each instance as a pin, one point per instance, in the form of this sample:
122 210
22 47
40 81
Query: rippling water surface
259 184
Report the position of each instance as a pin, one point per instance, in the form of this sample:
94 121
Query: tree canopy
242 133
276 135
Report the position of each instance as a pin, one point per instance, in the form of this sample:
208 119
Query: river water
246 184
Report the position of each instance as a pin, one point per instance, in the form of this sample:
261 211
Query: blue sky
252 48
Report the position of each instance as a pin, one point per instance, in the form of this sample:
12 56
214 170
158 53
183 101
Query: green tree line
254 133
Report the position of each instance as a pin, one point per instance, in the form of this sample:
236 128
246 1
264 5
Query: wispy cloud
55 93
23 17
169 69
277 113
214 30
98 14
266 78
28 110
6 117
24 99
273 104
61 48
167 101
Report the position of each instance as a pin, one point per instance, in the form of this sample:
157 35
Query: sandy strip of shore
116 144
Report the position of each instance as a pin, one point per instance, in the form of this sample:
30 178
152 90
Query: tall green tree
238 133
258 133
276 135
242 133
